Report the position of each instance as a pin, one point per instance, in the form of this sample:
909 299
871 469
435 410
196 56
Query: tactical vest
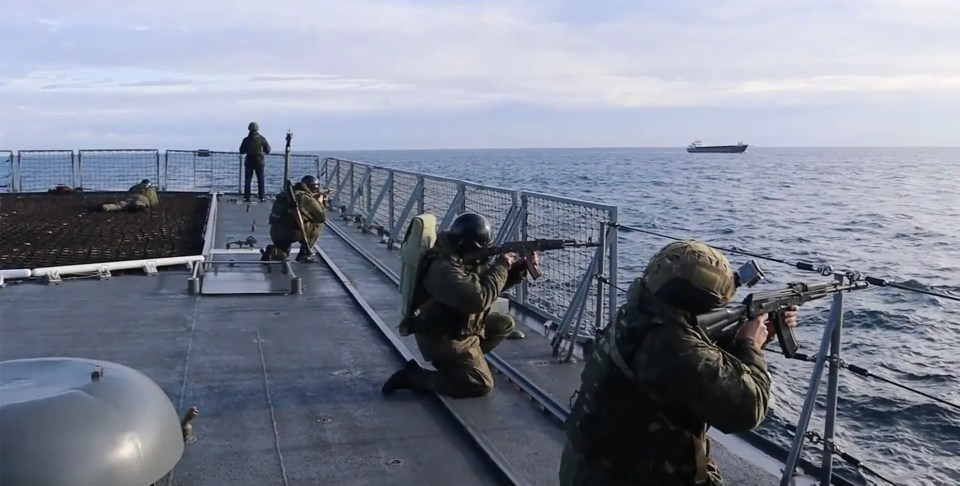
280 211
620 427
255 146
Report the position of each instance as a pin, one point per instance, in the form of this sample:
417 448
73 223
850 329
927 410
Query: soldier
285 224
255 146
655 382
454 327
139 197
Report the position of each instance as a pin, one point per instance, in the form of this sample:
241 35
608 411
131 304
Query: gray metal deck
288 386
531 356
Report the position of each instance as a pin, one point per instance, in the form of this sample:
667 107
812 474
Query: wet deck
288 385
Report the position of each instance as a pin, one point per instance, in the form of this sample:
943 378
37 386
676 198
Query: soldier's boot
305 255
266 254
403 379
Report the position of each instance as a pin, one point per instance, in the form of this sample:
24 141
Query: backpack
420 238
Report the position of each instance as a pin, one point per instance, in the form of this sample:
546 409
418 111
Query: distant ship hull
718 149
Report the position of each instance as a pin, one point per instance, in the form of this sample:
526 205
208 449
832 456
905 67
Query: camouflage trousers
576 470
284 236
461 369
136 203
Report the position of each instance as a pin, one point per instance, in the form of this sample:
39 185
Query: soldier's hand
510 258
755 329
790 316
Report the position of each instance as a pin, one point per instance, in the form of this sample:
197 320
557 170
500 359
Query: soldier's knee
498 323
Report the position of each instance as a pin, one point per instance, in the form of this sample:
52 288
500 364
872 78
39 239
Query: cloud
181 61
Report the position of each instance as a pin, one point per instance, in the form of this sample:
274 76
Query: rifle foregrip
785 336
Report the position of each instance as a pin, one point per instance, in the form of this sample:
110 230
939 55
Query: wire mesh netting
300 165
564 270
6 171
41 170
381 216
117 170
44 230
187 170
546 217
493 203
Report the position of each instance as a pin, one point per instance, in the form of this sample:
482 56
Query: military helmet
145 182
311 182
253 126
470 232
690 275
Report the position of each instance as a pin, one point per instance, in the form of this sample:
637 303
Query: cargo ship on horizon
696 147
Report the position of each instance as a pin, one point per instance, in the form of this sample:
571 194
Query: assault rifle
721 321
526 249
296 205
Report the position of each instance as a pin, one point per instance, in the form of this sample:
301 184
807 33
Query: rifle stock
719 321
296 204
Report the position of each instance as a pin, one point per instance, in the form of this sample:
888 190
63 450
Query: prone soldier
139 197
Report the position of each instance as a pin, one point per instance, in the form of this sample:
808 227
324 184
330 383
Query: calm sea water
890 213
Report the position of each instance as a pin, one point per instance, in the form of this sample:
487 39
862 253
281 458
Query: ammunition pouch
446 327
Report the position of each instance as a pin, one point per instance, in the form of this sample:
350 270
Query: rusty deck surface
47 230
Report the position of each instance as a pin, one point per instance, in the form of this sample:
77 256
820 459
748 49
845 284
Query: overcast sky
363 74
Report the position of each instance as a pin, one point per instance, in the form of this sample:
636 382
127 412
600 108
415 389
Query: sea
891 213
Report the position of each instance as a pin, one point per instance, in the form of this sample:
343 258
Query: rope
814 438
863 372
806 266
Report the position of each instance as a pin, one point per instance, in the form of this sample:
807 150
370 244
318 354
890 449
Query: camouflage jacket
453 296
147 192
284 211
254 146
653 385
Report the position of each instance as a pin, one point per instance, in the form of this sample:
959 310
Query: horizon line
665 147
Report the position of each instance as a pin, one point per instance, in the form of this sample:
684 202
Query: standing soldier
296 220
255 146
139 197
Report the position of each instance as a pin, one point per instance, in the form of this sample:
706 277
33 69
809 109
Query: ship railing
118 169
568 297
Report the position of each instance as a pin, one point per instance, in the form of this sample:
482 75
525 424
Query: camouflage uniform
455 327
255 146
284 226
139 197
655 382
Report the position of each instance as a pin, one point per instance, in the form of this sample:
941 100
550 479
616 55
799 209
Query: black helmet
470 232
311 182
145 182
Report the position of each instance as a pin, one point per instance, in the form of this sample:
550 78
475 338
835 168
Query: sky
408 74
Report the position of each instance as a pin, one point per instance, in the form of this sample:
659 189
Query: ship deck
288 386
